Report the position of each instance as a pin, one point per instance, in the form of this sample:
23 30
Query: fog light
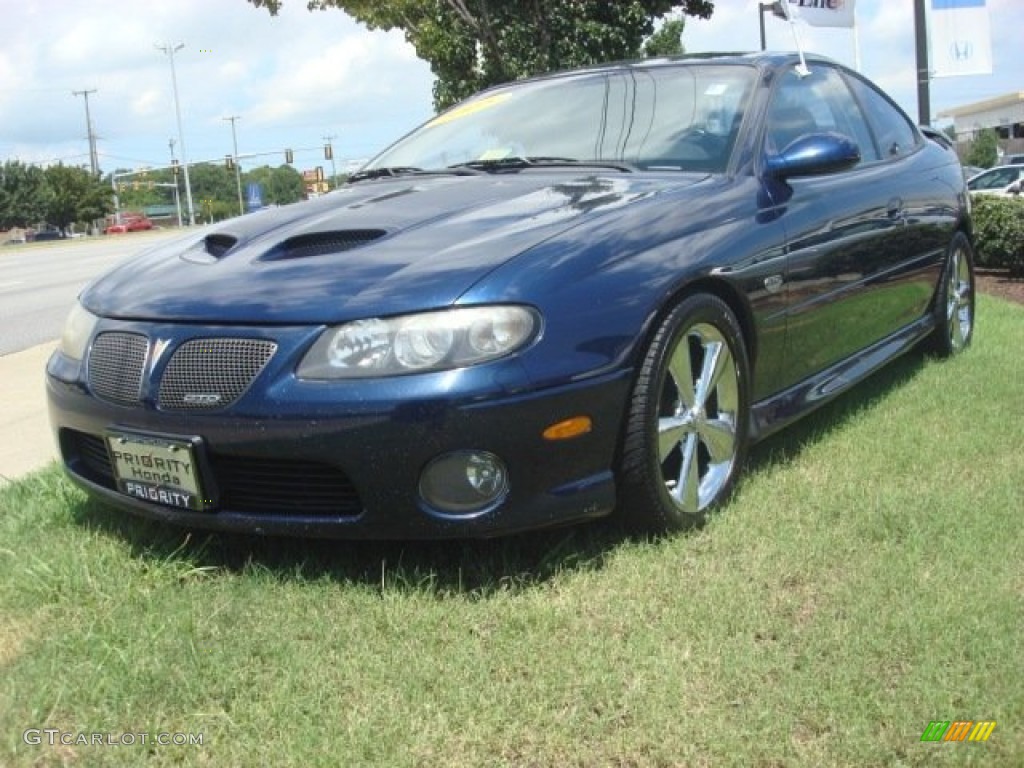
464 482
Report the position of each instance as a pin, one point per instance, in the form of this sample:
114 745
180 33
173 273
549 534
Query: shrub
999 231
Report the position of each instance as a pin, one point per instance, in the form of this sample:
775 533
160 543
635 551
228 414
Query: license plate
161 470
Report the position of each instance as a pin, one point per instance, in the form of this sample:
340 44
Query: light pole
775 9
170 51
238 171
174 175
924 100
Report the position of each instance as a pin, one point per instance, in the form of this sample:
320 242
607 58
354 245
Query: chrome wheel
686 433
697 438
954 304
959 299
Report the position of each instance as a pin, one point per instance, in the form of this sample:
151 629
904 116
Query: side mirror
813 155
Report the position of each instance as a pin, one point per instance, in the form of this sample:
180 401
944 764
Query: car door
848 235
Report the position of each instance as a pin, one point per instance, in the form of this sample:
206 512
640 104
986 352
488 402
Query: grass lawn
866 578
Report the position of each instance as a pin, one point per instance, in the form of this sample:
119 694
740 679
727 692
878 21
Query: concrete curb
26 442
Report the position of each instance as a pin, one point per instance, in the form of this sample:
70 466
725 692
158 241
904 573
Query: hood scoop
210 248
321 243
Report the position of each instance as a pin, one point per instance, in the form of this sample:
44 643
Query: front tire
686 433
954 304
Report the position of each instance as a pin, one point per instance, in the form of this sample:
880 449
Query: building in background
1004 113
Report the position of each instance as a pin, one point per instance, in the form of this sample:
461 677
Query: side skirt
772 414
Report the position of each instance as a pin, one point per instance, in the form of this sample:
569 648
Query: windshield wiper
393 171
520 163
378 173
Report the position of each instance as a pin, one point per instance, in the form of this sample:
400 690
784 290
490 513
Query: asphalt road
39 282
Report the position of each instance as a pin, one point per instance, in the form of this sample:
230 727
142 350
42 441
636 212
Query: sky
301 76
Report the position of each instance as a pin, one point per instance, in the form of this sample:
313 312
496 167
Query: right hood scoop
321 243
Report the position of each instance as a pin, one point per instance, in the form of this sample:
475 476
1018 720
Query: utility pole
174 175
924 103
234 156
94 163
170 51
330 151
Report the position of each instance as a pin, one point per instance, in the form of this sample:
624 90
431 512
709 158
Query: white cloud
302 75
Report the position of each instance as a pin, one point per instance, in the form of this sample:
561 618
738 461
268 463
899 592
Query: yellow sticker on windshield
495 154
468 109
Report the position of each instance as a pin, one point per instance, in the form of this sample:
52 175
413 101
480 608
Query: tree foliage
75 195
24 195
984 149
281 185
472 44
667 40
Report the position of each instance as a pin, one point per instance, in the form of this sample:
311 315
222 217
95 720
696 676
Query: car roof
761 60
994 168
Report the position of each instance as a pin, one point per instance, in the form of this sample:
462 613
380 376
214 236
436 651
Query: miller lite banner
821 13
961 38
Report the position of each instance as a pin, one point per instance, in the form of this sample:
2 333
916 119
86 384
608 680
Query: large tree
76 195
471 44
23 195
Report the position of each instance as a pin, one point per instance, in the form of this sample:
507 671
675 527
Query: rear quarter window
893 131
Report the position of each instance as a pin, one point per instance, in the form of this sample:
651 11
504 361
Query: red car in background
130 222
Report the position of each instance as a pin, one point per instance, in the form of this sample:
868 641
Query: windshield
683 117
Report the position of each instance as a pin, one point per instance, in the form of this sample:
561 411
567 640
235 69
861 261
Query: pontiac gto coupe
585 292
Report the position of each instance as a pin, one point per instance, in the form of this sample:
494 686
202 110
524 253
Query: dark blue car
585 292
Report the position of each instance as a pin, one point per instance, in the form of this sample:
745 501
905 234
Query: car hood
374 248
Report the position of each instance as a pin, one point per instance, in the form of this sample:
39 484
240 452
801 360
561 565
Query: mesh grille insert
116 363
319 243
212 373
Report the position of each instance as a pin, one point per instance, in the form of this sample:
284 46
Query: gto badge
773 283
201 398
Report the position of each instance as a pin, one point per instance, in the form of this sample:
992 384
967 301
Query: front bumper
343 460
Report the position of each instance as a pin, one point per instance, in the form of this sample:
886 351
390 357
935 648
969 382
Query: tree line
61 196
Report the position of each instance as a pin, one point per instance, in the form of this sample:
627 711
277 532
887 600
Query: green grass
867 578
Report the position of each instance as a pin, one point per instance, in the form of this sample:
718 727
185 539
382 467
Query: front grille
212 373
116 363
247 485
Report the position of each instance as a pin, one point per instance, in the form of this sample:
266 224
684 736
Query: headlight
77 331
430 341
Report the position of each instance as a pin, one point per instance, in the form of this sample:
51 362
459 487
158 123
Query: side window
819 102
894 134
994 179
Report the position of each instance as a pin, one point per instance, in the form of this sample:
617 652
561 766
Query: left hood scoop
321 243
210 248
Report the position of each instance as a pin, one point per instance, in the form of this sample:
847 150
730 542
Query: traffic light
174 168
328 152
289 157
229 162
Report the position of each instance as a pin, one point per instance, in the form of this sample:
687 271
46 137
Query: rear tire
954 303
686 433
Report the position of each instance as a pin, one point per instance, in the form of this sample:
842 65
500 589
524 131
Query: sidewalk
26 442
